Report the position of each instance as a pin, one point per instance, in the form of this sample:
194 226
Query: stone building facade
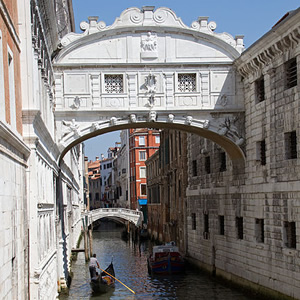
41 196
244 224
14 227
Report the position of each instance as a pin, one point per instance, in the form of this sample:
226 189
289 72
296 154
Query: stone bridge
149 69
133 216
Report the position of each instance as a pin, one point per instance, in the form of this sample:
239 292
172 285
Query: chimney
97 158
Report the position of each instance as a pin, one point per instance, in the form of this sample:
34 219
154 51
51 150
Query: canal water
130 263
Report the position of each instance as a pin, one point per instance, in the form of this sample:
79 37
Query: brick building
167 182
143 143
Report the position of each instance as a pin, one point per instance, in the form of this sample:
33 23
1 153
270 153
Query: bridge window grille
113 84
207 164
290 139
260 89
222 162
240 228
291 73
187 83
221 225
259 230
290 234
194 223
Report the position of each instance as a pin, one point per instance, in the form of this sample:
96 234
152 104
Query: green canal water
130 263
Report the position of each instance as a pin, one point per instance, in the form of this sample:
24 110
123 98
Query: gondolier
92 266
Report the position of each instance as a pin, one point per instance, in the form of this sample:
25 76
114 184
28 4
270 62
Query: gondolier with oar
92 266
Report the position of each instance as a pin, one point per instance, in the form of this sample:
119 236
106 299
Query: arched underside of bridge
231 147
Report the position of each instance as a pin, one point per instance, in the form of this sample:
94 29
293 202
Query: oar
118 280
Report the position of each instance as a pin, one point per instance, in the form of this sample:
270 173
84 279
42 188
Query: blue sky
251 18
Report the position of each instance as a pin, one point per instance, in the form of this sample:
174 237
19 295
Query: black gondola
103 282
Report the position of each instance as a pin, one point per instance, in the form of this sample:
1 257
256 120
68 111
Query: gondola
103 283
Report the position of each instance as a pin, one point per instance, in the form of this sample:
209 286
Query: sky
251 18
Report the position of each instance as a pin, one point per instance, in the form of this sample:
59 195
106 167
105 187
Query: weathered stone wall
259 247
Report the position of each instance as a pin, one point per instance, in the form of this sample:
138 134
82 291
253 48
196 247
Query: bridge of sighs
149 69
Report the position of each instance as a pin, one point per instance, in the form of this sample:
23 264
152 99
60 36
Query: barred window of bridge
207 164
113 84
194 224
187 83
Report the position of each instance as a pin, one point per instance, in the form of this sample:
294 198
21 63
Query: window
260 89
194 221
11 82
157 139
113 84
261 152
194 170
291 73
289 234
142 172
221 225
222 161
143 190
142 155
142 141
2 96
207 164
206 227
290 139
186 83
259 230
239 228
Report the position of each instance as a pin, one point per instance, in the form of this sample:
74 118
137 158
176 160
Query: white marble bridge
133 216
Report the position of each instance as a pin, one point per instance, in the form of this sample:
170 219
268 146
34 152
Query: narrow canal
130 263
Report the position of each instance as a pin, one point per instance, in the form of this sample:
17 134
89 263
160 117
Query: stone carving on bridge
149 46
230 128
148 17
171 118
150 85
95 126
152 116
113 121
76 103
71 127
132 118
189 120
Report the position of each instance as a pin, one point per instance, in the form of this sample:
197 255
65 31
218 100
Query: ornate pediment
147 16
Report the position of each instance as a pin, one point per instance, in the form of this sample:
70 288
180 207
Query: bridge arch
149 69
133 216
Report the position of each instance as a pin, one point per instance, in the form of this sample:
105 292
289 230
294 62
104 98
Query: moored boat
165 259
103 283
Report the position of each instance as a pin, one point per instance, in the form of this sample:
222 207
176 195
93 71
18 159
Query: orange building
10 84
143 143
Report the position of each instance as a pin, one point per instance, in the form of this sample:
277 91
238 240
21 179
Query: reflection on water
130 264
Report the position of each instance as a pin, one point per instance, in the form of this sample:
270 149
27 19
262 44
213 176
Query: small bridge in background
133 216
